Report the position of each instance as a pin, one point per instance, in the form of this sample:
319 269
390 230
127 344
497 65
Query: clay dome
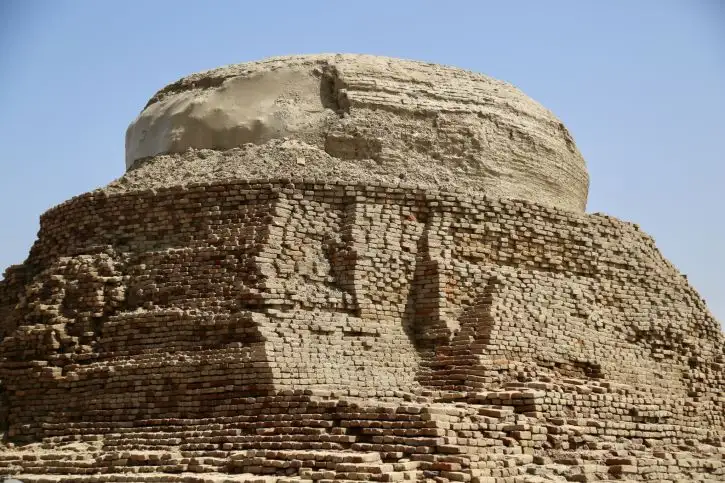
377 118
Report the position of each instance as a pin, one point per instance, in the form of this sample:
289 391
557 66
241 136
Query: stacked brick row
306 438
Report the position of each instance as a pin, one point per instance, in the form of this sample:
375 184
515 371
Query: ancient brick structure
205 318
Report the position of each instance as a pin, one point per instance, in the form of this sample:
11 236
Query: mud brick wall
312 435
178 302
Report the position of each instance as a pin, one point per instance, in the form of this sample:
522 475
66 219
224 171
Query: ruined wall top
360 117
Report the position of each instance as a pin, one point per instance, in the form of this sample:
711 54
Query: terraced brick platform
263 297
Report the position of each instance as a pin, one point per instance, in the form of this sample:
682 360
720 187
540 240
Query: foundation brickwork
295 330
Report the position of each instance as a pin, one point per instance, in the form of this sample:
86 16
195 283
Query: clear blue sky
640 84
